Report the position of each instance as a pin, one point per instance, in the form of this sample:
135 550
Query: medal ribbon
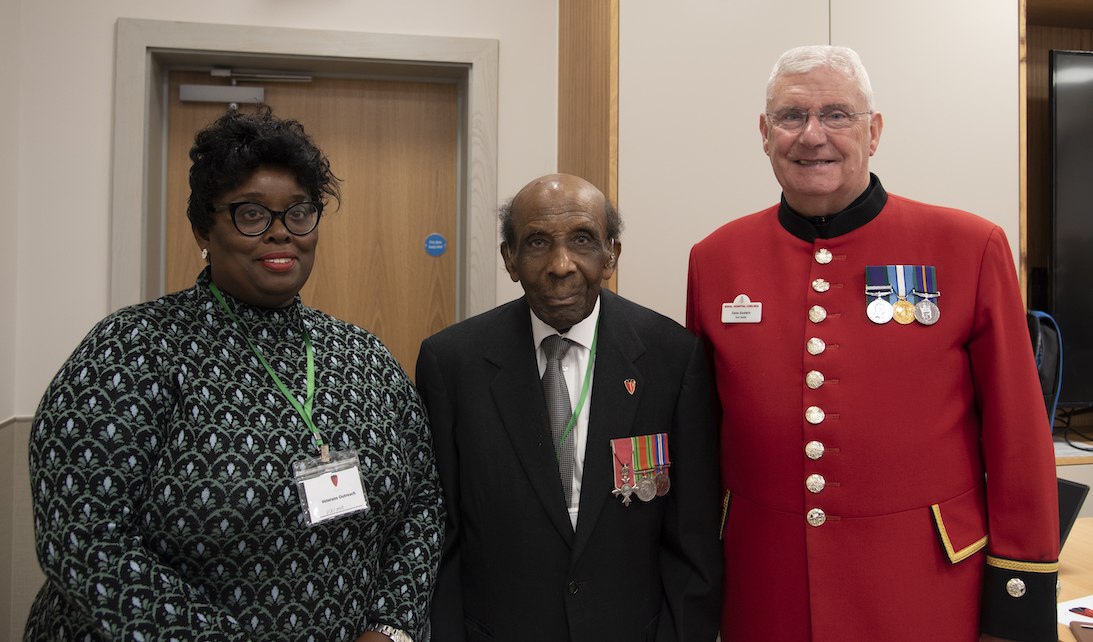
623 451
925 279
899 274
877 283
305 410
584 391
650 451
644 453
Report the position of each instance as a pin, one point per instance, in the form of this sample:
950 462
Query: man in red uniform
887 458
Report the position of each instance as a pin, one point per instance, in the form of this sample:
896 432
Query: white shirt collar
581 333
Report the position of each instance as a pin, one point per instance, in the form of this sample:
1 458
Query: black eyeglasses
253 219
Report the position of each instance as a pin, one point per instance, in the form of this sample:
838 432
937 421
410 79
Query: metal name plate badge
742 310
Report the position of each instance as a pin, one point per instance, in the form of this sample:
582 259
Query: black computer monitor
1071 497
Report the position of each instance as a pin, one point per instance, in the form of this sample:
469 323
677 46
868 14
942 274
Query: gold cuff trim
1025 567
954 555
725 512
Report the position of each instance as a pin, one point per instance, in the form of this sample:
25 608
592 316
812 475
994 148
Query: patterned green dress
165 506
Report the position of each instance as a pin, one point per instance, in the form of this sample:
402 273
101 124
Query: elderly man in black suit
575 437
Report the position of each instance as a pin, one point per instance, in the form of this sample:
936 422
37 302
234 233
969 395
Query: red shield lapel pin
334 479
630 385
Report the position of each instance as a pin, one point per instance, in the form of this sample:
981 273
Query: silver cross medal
626 489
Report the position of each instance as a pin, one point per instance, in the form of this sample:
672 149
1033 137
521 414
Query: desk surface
1074 453
1076 567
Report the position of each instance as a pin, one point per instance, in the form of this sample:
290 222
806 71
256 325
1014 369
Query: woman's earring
205 254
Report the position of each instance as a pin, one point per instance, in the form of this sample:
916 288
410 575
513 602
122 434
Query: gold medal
903 312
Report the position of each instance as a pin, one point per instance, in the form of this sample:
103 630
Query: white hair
802 60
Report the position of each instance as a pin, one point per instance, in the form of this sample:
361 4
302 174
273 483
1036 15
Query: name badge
330 489
742 310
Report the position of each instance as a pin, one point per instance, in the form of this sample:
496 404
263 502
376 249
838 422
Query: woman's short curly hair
227 152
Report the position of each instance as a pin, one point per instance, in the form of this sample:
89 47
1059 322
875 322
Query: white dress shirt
574 366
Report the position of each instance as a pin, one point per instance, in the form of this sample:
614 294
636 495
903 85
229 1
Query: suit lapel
518 396
612 413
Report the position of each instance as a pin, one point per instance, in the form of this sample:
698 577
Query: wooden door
394 144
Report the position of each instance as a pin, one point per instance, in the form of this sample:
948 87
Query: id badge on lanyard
330 485
330 489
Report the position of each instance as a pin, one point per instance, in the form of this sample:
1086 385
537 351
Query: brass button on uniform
815 346
1015 587
817 313
823 256
821 285
814 415
814 379
816 517
814 450
815 483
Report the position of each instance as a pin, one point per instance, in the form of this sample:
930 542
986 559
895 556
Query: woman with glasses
225 463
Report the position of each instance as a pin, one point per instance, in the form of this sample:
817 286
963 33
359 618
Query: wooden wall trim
1022 143
588 94
613 117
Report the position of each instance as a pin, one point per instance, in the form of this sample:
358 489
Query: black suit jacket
513 567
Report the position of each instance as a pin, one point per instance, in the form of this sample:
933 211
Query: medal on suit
926 311
663 483
641 467
644 468
622 452
662 461
651 460
624 492
879 310
903 311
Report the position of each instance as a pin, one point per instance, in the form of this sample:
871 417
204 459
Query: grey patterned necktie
559 408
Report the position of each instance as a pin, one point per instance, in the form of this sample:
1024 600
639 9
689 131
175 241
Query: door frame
147 49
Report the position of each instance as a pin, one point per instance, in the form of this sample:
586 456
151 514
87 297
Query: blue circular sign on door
435 244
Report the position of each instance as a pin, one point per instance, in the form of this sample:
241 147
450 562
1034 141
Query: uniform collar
865 208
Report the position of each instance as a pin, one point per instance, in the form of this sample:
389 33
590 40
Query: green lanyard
305 410
584 391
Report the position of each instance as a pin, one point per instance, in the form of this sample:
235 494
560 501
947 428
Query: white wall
65 86
948 90
692 82
12 450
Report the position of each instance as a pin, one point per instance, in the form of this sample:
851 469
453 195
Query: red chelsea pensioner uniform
919 493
